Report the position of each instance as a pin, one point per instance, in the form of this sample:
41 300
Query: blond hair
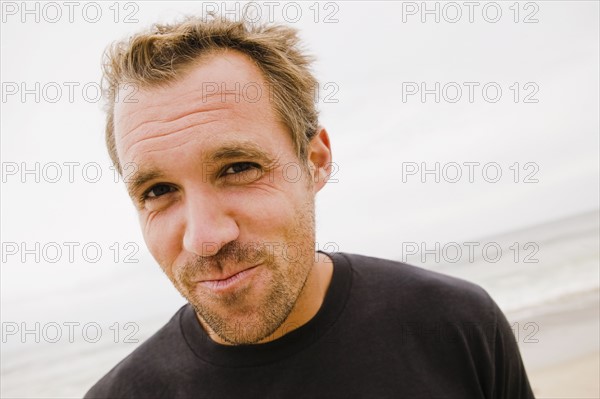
160 55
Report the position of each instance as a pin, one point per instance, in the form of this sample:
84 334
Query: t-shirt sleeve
510 377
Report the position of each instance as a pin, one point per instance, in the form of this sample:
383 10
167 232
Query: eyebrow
228 150
237 149
139 178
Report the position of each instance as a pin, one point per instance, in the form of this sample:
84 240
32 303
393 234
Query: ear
319 158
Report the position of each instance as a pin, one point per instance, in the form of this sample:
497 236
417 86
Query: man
224 156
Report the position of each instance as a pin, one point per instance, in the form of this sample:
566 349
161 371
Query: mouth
228 282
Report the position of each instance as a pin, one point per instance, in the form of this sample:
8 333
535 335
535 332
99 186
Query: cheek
163 236
262 211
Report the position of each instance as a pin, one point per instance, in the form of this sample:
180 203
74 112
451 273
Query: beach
565 362
574 379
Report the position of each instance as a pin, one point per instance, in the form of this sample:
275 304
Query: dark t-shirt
385 330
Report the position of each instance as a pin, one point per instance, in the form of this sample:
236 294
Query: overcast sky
517 88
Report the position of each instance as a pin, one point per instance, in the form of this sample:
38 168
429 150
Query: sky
447 124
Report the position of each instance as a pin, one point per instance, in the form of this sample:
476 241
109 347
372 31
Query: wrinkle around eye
153 203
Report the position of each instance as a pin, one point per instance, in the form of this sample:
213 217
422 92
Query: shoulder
146 371
415 291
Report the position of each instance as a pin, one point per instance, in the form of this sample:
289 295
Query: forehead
223 96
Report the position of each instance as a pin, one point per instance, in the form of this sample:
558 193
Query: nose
209 226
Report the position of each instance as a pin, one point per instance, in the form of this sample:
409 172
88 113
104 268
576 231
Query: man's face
216 183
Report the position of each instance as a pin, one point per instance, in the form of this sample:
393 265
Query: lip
218 285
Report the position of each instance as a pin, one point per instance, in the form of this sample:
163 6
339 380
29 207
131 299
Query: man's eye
158 190
240 167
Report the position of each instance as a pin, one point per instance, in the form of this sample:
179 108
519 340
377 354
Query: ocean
103 317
